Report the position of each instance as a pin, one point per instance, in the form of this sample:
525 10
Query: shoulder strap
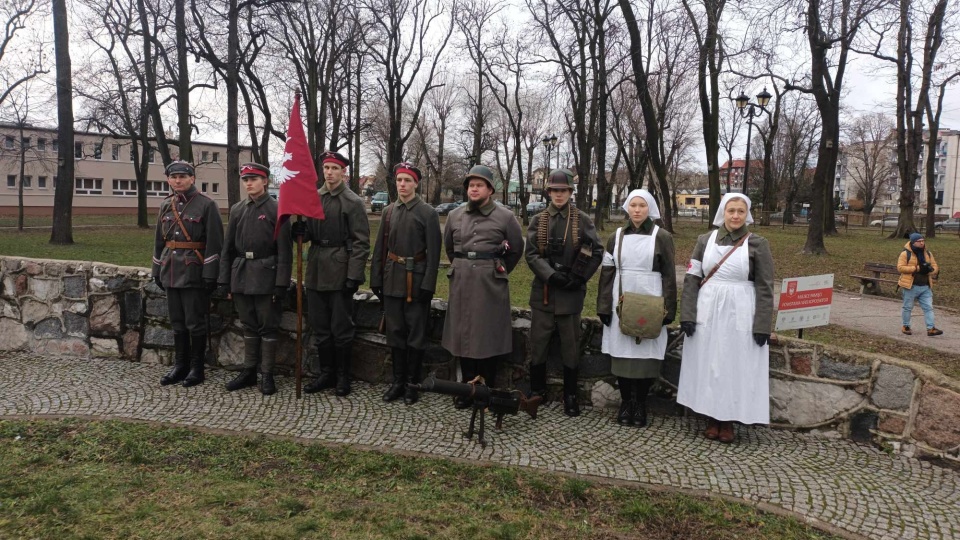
386 236
620 234
909 253
725 257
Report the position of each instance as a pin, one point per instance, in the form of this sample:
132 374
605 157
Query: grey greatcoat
252 263
339 244
409 231
478 323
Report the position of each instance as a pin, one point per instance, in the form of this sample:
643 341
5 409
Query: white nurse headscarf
651 202
718 219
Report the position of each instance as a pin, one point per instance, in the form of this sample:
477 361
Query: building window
115 152
939 199
55 145
216 188
125 188
27 181
152 155
41 182
41 145
98 151
88 186
25 143
689 200
8 142
156 188
78 150
704 200
11 180
216 157
203 187
54 181
204 156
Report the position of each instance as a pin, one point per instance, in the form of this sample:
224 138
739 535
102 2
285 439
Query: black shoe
398 386
343 370
198 347
246 379
638 413
414 363
538 380
327 379
181 362
267 385
571 406
623 414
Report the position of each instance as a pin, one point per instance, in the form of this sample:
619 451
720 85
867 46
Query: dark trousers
543 324
259 314
330 314
485 367
406 323
188 310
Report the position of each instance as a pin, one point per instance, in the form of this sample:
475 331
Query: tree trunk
183 87
62 231
233 108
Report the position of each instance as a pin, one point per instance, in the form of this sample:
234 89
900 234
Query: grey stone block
804 403
158 336
132 307
49 328
76 325
157 307
830 369
594 365
120 283
368 315
893 388
75 286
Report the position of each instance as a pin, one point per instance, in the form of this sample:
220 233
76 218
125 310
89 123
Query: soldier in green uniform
186 262
339 247
564 252
255 270
404 276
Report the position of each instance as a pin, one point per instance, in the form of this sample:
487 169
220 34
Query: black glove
351 286
689 328
761 339
575 283
222 291
298 229
425 296
210 284
378 292
605 318
926 268
667 321
279 293
561 280
156 279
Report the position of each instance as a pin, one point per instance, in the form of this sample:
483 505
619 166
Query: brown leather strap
186 245
729 253
422 256
176 217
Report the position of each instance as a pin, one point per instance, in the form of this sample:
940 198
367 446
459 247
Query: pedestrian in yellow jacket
918 272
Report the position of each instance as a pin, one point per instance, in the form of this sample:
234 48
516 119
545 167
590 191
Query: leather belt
408 262
186 245
474 255
329 243
249 255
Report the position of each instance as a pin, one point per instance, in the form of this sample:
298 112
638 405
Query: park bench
871 283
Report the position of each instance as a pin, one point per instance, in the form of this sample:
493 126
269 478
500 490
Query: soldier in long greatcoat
564 252
255 269
186 262
404 276
336 263
484 243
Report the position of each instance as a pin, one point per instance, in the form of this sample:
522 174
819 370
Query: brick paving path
854 487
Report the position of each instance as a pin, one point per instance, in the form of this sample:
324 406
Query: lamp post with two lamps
549 143
750 111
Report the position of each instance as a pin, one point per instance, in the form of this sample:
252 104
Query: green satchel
641 315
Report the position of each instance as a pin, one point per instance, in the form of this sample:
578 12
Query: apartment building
104 181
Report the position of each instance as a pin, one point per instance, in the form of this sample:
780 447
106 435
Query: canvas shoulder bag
641 315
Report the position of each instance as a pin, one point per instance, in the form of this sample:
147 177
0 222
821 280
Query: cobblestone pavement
853 487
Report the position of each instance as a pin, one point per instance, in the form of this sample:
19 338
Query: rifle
499 402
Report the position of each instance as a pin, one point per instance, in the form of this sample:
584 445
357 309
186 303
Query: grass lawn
83 479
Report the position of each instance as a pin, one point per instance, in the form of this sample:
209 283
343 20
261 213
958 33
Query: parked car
951 224
447 207
536 206
688 212
379 202
888 222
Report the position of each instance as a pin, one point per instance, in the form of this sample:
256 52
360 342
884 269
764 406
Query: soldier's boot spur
538 380
396 390
414 365
327 379
268 354
624 417
198 348
181 361
343 370
571 405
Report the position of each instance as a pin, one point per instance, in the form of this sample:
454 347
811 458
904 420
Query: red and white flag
297 177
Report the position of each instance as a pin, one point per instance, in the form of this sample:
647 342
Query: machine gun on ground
499 402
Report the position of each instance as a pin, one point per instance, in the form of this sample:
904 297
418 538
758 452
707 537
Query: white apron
638 276
724 374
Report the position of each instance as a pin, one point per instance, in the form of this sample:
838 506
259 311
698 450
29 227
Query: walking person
726 312
186 262
255 270
564 252
339 247
918 272
639 258
484 243
403 275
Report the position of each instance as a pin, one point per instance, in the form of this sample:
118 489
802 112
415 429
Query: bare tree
793 152
934 110
433 126
871 166
23 65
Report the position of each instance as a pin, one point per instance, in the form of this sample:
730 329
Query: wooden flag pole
299 370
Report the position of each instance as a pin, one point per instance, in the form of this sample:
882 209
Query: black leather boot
246 379
181 362
268 353
343 369
414 364
198 348
624 418
267 385
538 380
327 379
397 387
571 404
468 370
251 358
639 409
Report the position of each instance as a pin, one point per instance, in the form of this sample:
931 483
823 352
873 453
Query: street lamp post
549 143
750 111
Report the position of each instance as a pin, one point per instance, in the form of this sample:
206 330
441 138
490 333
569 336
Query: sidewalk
851 487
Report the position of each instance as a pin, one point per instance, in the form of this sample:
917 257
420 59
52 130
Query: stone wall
94 309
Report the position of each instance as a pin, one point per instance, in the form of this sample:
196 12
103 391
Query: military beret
334 157
254 169
408 168
179 167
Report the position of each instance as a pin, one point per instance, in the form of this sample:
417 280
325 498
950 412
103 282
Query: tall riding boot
399 358
538 380
343 355
414 365
268 355
626 401
468 371
251 357
638 412
571 405
198 348
181 361
327 379
488 370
